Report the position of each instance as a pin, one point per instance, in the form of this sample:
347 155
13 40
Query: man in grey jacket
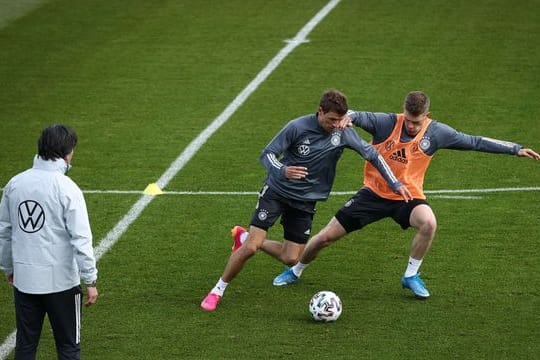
46 247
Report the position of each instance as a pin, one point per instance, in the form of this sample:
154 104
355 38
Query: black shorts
296 215
365 207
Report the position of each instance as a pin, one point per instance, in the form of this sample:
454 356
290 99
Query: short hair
416 103
56 142
334 100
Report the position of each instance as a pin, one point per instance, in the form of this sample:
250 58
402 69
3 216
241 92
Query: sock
298 268
412 267
243 237
220 287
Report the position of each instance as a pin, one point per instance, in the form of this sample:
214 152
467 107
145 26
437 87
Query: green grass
140 80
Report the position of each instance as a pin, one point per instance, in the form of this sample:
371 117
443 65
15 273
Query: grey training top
303 142
437 135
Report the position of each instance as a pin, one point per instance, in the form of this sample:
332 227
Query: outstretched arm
445 137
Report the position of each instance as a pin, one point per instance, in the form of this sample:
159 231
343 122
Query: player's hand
9 279
91 296
404 192
529 153
345 122
296 172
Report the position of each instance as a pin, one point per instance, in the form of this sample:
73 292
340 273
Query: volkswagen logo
31 216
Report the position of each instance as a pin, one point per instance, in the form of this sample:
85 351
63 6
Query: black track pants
64 312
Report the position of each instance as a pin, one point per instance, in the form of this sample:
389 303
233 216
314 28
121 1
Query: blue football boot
285 278
416 285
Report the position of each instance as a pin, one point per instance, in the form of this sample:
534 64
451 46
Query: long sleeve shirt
303 142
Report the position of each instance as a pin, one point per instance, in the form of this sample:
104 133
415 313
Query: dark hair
334 100
56 142
416 103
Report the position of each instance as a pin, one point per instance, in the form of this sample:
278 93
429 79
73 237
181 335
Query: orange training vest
408 162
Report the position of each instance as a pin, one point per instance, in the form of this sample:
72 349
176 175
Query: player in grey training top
301 163
407 142
303 142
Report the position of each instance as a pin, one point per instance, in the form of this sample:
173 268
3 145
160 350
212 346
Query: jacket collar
51 165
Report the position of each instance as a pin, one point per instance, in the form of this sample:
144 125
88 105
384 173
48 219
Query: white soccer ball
325 306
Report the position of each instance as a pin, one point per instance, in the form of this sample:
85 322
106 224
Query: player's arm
368 152
445 137
379 125
270 156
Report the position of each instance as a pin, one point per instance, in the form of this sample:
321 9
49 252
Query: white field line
435 194
459 197
334 193
239 100
8 345
232 193
112 237
12 10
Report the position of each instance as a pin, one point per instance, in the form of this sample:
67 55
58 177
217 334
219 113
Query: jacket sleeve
6 258
379 125
270 156
78 227
368 152
446 137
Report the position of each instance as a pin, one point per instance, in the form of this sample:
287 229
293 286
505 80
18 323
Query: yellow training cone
153 189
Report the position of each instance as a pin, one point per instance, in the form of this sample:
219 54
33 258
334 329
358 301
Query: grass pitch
140 80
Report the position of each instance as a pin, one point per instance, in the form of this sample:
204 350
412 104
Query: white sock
243 237
220 287
412 267
298 268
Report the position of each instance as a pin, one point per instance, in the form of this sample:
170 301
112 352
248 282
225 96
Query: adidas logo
306 142
399 156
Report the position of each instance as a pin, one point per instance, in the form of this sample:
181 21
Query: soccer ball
325 306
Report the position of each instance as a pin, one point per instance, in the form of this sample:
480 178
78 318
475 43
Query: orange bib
408 162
